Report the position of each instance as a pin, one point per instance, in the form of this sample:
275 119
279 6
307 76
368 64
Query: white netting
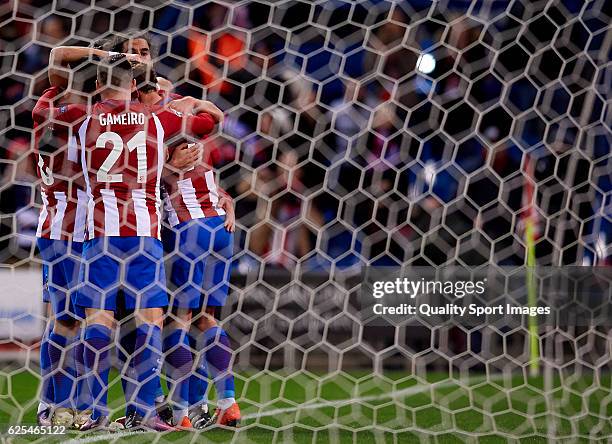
359 133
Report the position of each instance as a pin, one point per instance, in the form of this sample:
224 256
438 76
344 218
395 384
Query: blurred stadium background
372 132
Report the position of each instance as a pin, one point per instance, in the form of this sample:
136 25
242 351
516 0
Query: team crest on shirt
62 109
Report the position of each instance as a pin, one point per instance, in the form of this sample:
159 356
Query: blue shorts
133 265
199 259
60 274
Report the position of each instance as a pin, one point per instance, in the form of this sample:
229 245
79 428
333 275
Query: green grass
358 407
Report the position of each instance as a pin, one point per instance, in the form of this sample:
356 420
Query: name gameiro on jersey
122 119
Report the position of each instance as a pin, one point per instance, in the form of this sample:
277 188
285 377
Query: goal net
361 136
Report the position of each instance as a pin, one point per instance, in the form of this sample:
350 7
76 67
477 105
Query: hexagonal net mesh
379 133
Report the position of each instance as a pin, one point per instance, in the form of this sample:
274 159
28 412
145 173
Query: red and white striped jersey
62 189
123 155
191 194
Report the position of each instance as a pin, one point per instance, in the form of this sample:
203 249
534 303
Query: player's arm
175 123
45 111
61 56
44 105
224 193
191 105
200 124
227 203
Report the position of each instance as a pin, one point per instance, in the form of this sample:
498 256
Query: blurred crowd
340 145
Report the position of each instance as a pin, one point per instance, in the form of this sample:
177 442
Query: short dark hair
118 42
146 77
115 70
103 43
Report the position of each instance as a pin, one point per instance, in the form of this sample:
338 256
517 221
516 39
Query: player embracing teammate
200 246
123 153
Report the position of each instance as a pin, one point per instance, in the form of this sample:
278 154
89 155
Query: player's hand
134 58
230 217
185 157
183 106
164 85
189 105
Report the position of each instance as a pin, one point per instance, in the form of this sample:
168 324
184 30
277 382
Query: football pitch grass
359 408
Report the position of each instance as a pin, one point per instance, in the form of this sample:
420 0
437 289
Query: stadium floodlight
426 63
354 137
